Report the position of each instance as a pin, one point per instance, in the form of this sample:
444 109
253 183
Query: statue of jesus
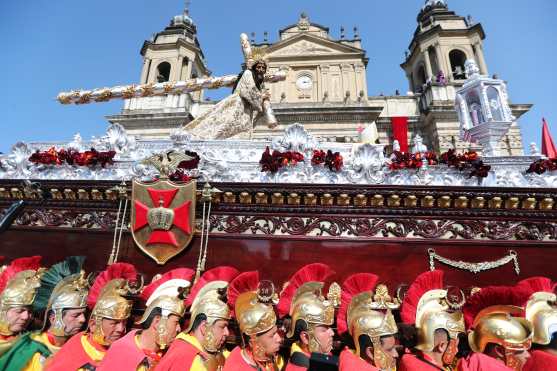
236 115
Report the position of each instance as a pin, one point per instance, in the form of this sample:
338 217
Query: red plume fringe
226 274
244 282
352 286
426 281
493 295
316 272
114 271
178 273
19 265
536 284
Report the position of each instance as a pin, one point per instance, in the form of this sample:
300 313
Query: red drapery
548 148
400 131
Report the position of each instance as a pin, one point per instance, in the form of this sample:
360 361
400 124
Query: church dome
182 20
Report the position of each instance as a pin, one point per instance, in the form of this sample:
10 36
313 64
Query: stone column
324 81
481 59
145 70
440 60
429 71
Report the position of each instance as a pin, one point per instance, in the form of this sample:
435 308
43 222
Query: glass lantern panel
494 100
474 108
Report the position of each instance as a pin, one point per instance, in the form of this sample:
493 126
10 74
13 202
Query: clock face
304 83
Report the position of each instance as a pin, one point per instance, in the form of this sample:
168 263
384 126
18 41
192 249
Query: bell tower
174 54
442 43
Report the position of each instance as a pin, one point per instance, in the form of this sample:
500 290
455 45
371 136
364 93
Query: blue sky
51 46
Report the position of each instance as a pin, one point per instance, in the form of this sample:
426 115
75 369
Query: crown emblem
160 218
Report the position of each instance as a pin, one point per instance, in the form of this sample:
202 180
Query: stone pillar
360 80
428 70
145 70
481 59
324 82
440 60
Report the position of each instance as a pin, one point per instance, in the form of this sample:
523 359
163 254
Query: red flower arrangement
543 165
332 160
403 160
274 161
466 161
72 157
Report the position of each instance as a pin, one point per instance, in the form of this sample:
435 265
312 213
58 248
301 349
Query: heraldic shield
163 217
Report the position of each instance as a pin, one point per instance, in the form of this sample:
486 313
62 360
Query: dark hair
553 343
298 328
198 320
365 342
252 69
154 313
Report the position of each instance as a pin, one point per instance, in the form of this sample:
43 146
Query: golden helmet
303 300
167 293
18 287
541 311
430 307
253 302
500 324
207 297
541 308
107 296
365 313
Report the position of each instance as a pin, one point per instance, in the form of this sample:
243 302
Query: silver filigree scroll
474 267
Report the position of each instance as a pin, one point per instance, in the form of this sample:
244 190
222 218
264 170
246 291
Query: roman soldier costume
429 306
19 282
253 303
207 298
365 311
302 300
494 317
541 311
87 349
166 293
62 287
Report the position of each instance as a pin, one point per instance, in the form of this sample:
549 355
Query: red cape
179 356
480 362
348 361
123 355
235 361
540 360
71 356
410 362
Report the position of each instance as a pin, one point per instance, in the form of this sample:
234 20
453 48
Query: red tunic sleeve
410 362
348 361
540 360
179 357
71 356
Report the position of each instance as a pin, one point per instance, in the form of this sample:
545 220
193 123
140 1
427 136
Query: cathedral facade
326 88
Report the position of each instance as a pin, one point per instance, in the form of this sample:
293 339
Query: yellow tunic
143 367
95 354
38 360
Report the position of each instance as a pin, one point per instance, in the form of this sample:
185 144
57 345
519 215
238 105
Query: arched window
163 72
474 108
457 58
495 103
420 79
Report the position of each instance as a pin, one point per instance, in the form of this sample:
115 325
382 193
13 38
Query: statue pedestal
488 135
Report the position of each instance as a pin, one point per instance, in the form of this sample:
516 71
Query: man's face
18 319
260 70
112 329
324 335
270 341
220 332
73 319
172 328
388 344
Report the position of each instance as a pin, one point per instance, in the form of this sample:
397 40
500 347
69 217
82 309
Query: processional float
167 208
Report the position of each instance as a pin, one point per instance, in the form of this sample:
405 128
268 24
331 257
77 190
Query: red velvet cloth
410 362
123 355
548 148
71 356
400 131
348 361
540 360
481 362
179 357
